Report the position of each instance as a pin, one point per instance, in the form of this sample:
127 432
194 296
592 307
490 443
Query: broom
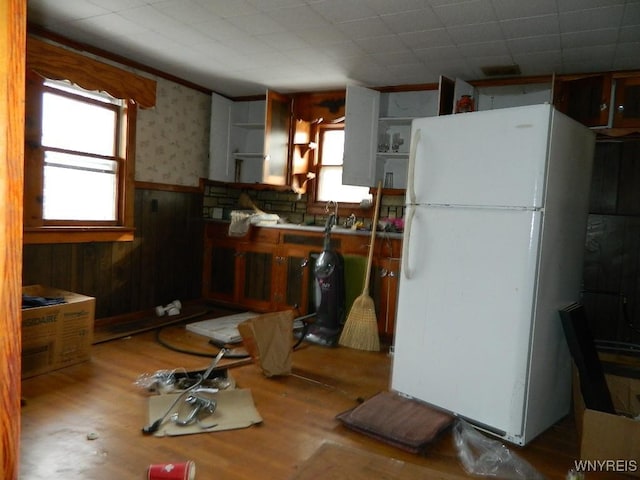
361 328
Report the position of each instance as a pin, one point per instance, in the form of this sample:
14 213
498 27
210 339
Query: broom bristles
361 328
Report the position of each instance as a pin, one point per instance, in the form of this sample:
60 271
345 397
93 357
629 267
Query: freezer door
465 314
494 158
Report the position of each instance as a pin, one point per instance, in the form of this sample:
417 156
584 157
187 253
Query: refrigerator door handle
412 166
411 209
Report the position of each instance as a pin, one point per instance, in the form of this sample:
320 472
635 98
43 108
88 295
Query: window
329 169
80 145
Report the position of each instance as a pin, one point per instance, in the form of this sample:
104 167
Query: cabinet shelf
393 154
248 154
395 120
252 126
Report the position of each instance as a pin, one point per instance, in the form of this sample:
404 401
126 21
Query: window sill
43 235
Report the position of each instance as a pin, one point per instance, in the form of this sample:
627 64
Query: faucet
350 221
327 209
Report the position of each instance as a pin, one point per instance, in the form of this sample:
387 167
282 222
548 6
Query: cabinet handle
621 108
304 262
604 106
412 165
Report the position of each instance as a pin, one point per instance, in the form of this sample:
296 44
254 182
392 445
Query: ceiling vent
501 70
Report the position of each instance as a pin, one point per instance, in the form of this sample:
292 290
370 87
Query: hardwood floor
62 408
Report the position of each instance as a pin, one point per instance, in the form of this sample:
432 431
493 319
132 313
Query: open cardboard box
56 336
607 437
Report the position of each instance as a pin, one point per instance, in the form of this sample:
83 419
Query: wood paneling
161 264
612 256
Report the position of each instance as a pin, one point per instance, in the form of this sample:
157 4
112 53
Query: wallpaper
172 139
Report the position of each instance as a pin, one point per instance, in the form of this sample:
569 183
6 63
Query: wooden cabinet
258 272
610 100
627 102
249 140
585 99
271 269
378 132
239 271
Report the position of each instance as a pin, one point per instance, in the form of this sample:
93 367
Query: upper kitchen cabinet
249 140
378 133
586 99
627 102
610 100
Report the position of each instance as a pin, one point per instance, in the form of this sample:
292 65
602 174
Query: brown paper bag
269 340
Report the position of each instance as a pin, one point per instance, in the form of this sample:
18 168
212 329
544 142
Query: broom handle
374 226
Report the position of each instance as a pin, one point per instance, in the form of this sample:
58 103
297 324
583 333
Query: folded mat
235 409
397 420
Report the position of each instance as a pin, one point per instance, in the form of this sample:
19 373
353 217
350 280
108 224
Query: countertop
318 228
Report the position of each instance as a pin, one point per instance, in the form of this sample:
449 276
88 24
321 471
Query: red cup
172 471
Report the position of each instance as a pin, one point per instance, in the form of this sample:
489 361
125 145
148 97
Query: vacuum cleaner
328 293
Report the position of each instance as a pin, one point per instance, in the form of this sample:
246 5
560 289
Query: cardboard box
610 442
56 336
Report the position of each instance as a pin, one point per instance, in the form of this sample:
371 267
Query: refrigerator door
493 158
465 314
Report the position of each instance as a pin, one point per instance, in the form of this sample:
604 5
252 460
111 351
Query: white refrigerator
495 223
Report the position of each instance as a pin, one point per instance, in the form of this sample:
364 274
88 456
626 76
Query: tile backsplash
220 200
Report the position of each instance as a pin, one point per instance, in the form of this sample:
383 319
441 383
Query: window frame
46 60
314 206
39 230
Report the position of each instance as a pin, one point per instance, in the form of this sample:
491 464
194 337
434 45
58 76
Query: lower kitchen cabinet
271 269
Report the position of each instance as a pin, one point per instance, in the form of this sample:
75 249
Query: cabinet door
276 139
360 136
220 272
291 281
255 282
585 99
627 103
385 292
221 163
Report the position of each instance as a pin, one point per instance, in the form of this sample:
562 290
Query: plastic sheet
488 457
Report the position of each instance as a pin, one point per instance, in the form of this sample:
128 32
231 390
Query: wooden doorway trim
13 20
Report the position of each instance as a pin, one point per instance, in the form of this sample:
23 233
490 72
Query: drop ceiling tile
283 41
485 49
323 36
226 8
466 13
219 29
439 54
589 38
530 26
338 11
507 9
185 11
631 14
478 33
534 44
428 38
256 24
298 17
593 19
629 34
385 7
368 27
572 5
149 17
413 21
381 44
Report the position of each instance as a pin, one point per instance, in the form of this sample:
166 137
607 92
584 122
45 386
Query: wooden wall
612 256
162 264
